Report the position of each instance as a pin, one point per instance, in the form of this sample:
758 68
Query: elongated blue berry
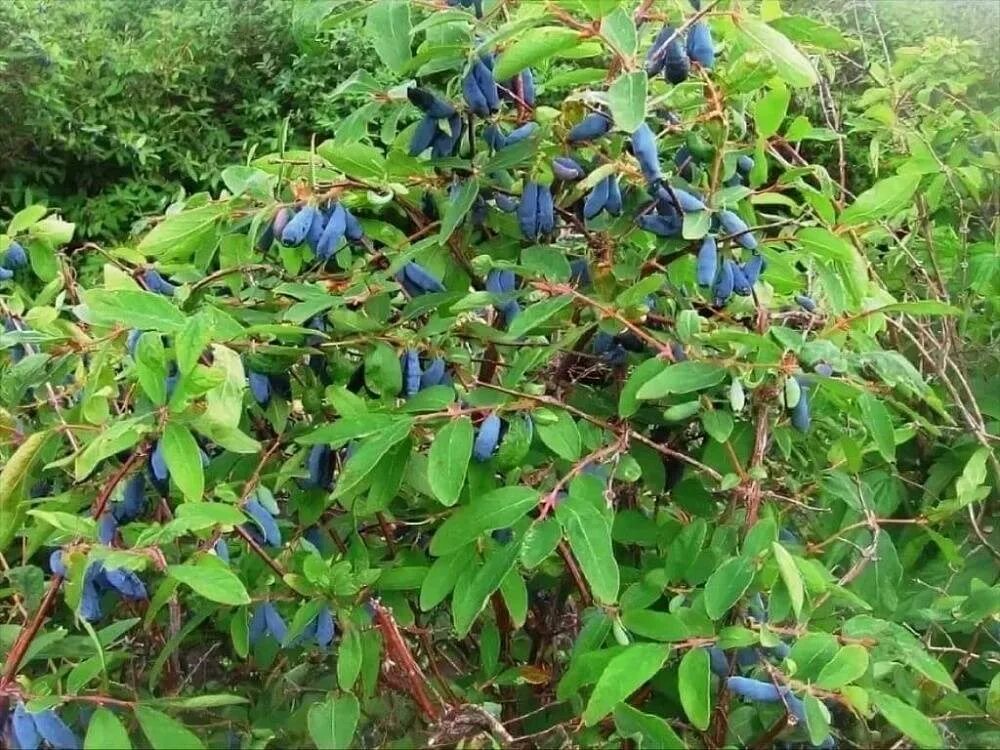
596 200
158 463
528 87
644 148
156 283
688 202
268 527
420 279
527 211
320 467
546 222
352 227
15 257
741 284
753 690
260 387
126 583
823 369
805 302
717 661
613 205
316 229
22 726
708 261
434 374
54 731
519 134
699 45
295 231
333 232
56 564
656 56
325 628
474 97
579 272
753 268
106 528
676 63
589 128
735 226
275 625
429 104
445 143
423 136
723 289
567 169
410 365
505 203
801 419
488 85
661 226
487 438
494 137
744 164
258 625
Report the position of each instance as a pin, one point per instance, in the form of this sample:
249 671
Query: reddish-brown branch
397 650
574 571
24 640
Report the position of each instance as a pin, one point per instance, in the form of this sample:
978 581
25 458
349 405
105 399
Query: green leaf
562 436
448 460
540 541
878 422
625 673
443 575
457 206
655 625
790 576
120 436
653 731
183 457
817 719
532 47
810 31
191 342
494 510
908 720
883 199
589 535
727 584
849 663
105 732
468 601
388 25
349 658
25 218
770 111
359 466
618 29
332 722
694 684
791 65
180 235
628 402
212 579
718 424
165 732
355 159
683 377
13 483
143 310
627 99
536 314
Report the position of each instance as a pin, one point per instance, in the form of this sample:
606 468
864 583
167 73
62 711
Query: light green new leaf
909 721
624 674
791 577
458 205
105 732
849 663
883 199
727 584
137 309
12 485
683 377
180 235
332 722
770 111
627 99
532 47
589 536
388 24
791 65
164 732
448 460
879 423
212 579
183 457
653 731
694 684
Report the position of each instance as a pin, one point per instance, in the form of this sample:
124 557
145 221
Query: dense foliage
112 108
611 375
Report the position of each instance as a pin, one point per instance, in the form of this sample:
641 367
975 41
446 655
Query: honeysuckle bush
560 400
